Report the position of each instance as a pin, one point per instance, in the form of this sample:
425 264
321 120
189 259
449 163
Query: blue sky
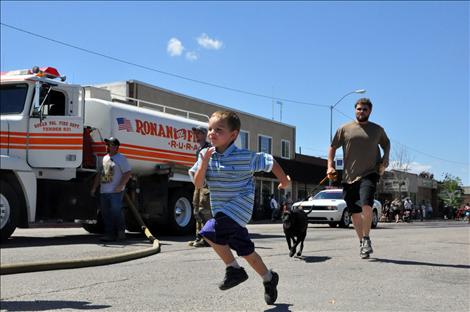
411 57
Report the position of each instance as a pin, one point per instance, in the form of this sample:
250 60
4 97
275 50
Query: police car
329 207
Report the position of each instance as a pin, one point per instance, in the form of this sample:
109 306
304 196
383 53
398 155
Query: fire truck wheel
9 209
181 218
96 228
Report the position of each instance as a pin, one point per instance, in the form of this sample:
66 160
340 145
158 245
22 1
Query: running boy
228 172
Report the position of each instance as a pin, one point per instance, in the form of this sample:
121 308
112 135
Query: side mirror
41 92
36 104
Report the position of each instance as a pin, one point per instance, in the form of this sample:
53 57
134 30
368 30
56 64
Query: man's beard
362 118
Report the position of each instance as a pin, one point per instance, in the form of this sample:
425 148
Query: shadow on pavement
28 241
80 239
408 262
45 305
313 259
279 307
261 236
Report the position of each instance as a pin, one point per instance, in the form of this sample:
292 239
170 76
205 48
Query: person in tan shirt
363 165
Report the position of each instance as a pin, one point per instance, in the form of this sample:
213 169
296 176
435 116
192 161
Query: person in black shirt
201 200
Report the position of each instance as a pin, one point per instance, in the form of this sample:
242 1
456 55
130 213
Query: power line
413 149
158 70
202 82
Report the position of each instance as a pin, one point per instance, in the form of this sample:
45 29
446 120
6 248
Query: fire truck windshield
12 98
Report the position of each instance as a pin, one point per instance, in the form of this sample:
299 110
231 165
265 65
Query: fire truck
51 144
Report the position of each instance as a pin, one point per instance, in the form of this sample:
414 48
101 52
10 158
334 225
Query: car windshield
12 98
329 195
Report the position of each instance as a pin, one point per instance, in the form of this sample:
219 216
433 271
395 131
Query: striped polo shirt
230 179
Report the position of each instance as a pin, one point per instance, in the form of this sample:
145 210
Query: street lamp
280 110
359 91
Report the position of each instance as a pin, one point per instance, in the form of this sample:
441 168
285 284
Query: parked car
329 207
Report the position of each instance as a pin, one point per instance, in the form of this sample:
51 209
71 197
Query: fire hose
88 262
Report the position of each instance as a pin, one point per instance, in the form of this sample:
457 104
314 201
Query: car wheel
345 219
375 219
332 224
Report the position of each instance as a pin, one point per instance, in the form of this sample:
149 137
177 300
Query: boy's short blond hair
233 121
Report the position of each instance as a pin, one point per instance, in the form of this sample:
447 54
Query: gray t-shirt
361 153
113 167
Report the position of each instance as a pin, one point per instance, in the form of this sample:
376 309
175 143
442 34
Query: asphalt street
421 266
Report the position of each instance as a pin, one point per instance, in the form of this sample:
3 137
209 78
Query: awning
303 172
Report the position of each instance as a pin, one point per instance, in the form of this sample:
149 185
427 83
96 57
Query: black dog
295 225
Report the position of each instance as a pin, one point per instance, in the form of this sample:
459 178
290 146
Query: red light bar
48 72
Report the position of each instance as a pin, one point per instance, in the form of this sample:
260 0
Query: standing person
397 209
408 205
113 175
274 208
282 203
386 211
289 202
423 210
229 171
429 210
201 200
467 212
360 140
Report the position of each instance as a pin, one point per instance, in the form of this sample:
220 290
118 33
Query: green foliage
451 192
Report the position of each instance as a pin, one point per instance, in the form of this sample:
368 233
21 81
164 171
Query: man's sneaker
233 277
191 243
366 248
270 289
201 243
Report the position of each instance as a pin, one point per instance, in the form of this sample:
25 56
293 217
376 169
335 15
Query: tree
426 174
451 192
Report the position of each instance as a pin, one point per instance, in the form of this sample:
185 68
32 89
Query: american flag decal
180 133
124 124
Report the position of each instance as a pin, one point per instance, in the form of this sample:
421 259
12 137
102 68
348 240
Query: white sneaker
366 248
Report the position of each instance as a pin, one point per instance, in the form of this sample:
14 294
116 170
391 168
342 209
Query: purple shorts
223 230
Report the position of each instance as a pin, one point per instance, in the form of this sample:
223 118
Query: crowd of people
464 213
404 210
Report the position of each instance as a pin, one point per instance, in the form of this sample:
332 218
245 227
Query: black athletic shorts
360 193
